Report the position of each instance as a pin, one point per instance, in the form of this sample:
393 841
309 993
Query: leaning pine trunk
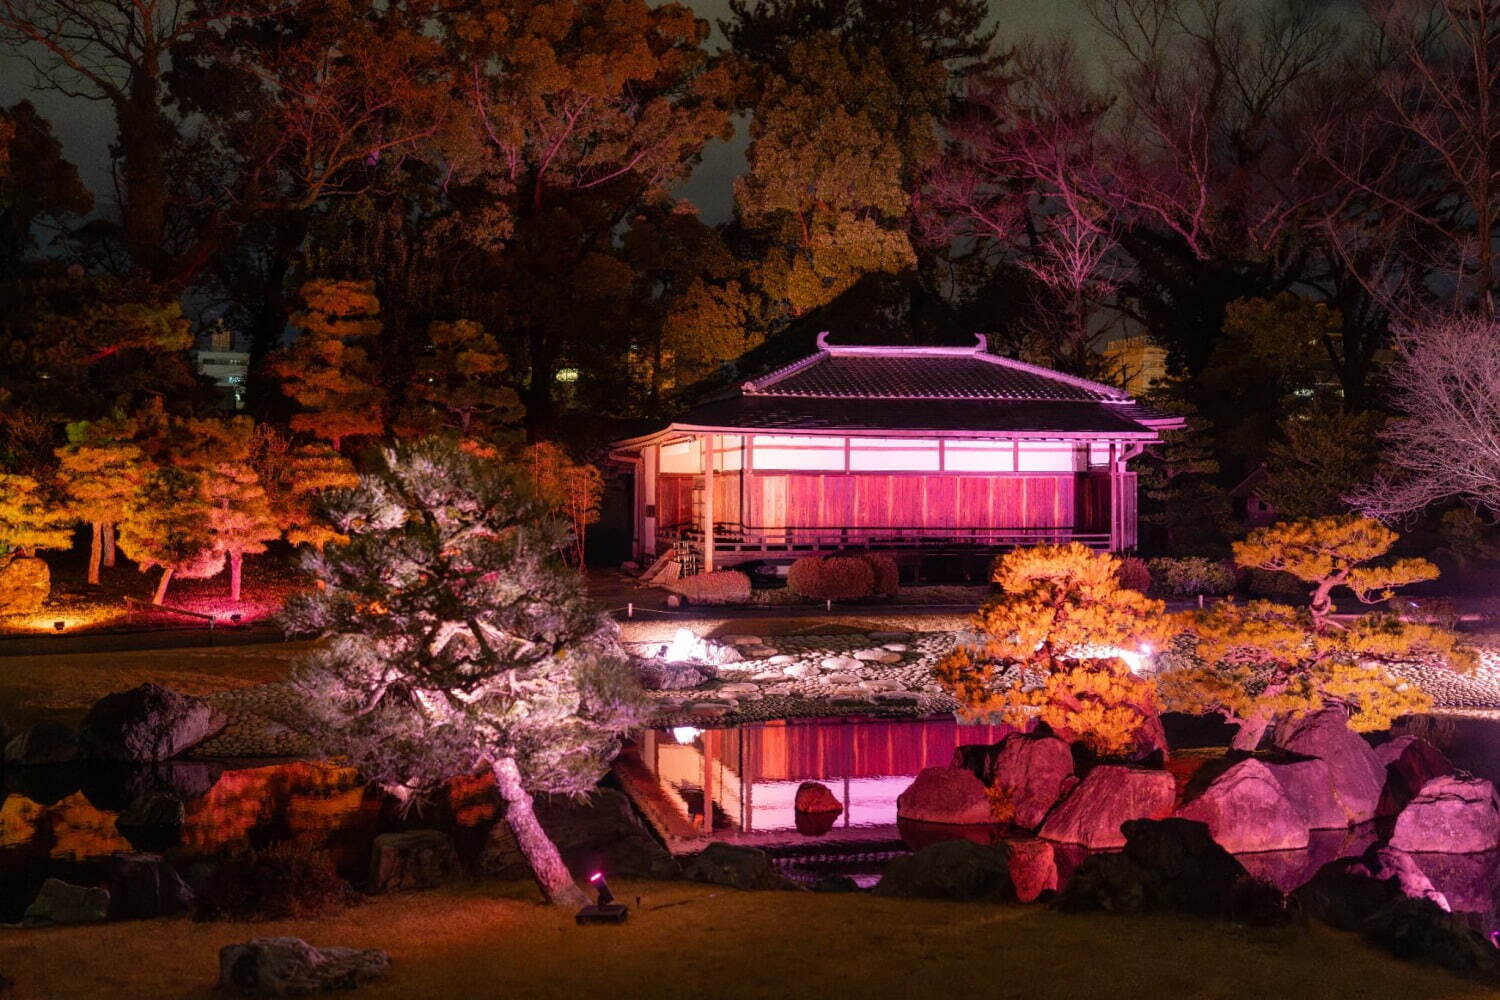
552 876
109 544
1251 731
161 585
96 550
235 560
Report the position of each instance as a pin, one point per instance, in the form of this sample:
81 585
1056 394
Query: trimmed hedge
722 586
832 578
1134 575
1192 576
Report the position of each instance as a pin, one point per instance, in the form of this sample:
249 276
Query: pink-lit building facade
892 448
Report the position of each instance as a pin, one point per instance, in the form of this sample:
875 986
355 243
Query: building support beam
709 458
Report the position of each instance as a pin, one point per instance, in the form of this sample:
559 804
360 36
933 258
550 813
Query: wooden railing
739 538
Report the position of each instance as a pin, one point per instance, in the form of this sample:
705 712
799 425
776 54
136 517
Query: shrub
1134 574
1191 576
887 574
831 578
722 586
280 882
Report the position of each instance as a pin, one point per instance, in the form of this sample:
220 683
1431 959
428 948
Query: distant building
892 448
226 366
1136 362
1253 509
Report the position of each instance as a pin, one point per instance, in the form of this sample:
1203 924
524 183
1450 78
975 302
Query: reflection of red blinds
817 751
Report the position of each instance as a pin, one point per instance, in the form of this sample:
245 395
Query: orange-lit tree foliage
294 478
571 491
327 370
1259 661
1054 636
241 519
458 385
30 519
100 469
170 527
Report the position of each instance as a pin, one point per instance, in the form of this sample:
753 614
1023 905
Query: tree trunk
96 550
552 876
161 585
109 544
1250 734
235 561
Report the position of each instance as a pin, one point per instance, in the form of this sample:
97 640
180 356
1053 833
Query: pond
738 784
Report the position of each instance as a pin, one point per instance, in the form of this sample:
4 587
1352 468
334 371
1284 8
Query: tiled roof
791 413
915 375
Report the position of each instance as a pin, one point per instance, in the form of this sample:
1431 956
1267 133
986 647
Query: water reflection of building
228 368
746 778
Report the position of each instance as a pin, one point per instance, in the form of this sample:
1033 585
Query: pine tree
100 469
1259 661
457 384
1179 483
241 523
169 526
294 479
327 370
570 491
29 519
1057 639
459 641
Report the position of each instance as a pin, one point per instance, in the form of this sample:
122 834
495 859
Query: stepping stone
710 709
886 636
734 690
896 647
769 676
782 658
743 640
839 663
801 670
760 652
842 679
877 656
880 684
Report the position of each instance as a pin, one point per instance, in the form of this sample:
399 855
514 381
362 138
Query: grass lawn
491 940
64 685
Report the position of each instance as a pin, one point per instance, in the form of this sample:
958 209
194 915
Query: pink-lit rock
1451 815
949 795
1410 762
1358 776
1308 785
1031 774
1246 810
1110 795
1033 867
816 797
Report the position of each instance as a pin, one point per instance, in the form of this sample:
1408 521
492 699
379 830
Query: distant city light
567 374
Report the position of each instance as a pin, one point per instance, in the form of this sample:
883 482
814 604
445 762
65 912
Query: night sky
85 127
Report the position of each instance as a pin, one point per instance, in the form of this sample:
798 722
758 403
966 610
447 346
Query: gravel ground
883 672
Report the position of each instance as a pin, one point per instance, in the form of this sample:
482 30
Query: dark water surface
63 821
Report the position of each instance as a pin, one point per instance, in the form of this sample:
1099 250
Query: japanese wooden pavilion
891 448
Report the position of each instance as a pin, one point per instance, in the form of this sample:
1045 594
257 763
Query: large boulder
1111 794
1410 762
739 867
1032 864
1467 881
1246 810
954 869
113 787
143 886
816 798
1031 773
148 723
412 859
290 967
47 742
659 675
1393 863
947 795
1308 784
1290 870
61 902
24 586
1169 865
1451 815
1356 772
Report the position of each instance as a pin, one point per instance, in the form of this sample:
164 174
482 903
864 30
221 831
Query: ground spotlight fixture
59 625
606 910
235 617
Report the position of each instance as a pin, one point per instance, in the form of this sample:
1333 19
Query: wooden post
650 468
708 502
